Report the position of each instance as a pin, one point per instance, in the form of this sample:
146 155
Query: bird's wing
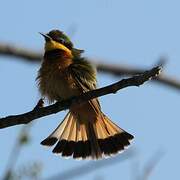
84 75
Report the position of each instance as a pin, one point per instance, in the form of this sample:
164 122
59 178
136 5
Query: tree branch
127 70
118 70
25 118
25 54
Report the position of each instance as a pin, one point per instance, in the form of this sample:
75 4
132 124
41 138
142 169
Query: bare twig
127 70
146 171
118 70
21 140
151 165
40 104
59 106
92 166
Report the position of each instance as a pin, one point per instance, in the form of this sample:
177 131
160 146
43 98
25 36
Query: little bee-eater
85 132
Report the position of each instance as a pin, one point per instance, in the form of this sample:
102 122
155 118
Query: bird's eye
69 45
62 41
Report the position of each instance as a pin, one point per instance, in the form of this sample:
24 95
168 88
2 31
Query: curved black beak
46 37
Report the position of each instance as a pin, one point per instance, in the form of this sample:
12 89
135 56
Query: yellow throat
52 45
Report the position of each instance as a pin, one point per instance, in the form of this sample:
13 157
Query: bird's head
56 39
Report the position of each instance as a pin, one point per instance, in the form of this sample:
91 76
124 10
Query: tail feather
70 136
68 128
82 140
55 135
82 147
92 137
66 138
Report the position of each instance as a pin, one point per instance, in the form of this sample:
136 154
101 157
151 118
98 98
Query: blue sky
137 33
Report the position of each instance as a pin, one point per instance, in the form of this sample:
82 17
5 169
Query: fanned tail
81 139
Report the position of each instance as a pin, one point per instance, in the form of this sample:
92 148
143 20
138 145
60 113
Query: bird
85 132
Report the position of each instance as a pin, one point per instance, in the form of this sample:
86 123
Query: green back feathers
85 72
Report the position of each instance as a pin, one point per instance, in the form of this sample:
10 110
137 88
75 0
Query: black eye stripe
60 40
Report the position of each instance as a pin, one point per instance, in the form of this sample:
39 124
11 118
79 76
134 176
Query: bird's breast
56 82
